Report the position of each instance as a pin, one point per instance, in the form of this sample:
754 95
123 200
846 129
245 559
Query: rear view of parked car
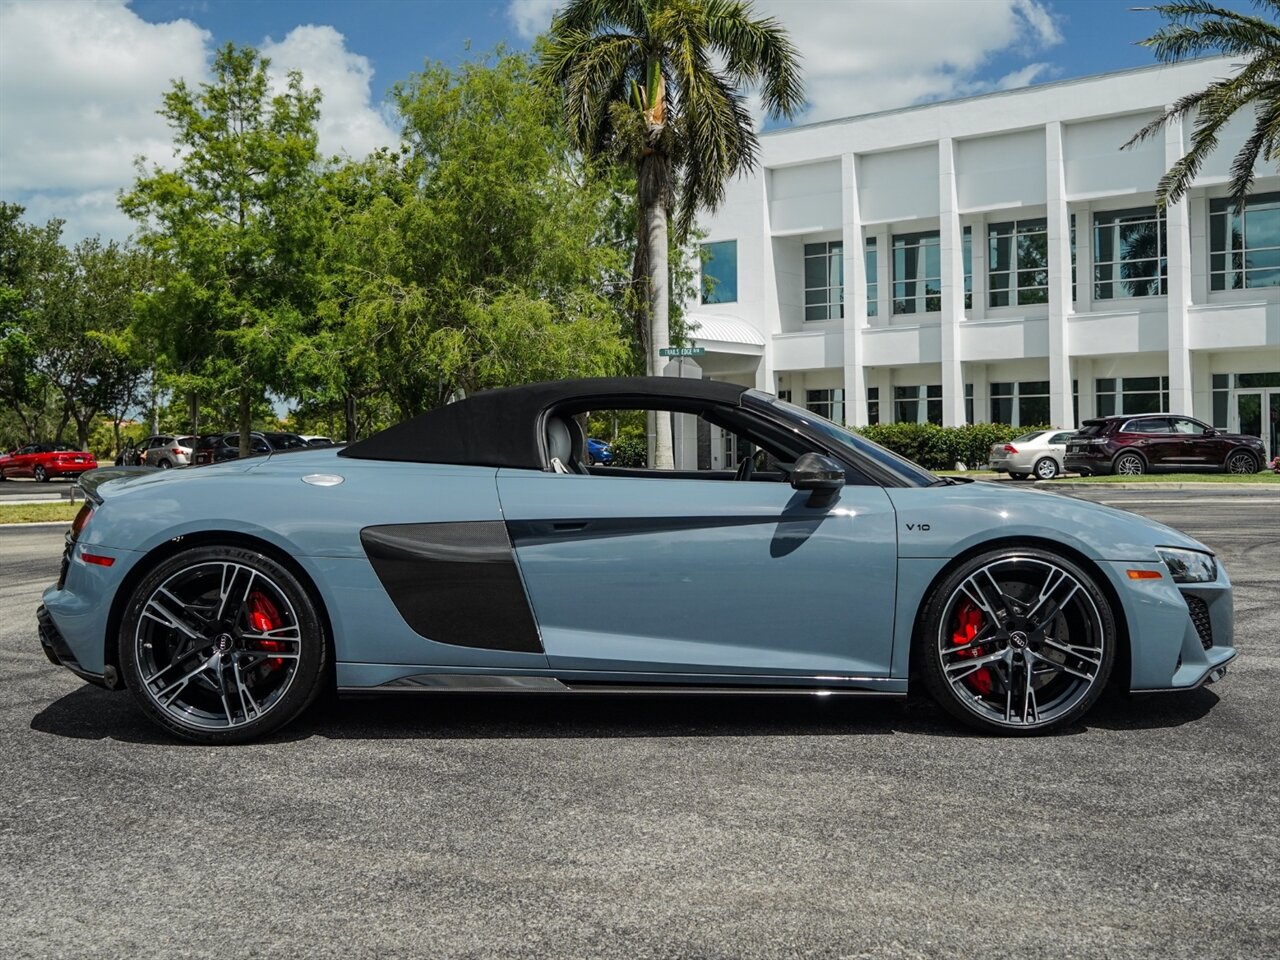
44 461
1132 446
166 451
1040 452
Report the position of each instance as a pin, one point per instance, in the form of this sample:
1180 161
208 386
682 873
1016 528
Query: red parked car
44 461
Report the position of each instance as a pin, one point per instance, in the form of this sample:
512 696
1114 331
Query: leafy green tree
30 260
239 218
660 87
472 258
1194 28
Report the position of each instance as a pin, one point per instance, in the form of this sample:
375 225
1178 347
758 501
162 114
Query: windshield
911 473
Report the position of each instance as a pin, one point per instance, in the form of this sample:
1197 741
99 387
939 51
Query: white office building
999 258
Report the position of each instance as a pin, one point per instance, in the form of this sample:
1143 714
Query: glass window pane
1000 256
815 272
1033 410
1034 386
816 313
1218 233
720 272
1001 410
1106 404
1262 222
1262 278
814 249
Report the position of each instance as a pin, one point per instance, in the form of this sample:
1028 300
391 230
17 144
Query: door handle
569 526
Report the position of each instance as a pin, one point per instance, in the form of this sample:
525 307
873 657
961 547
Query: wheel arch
1127 451
1122 667
207 538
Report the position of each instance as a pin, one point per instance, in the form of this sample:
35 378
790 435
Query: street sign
681 351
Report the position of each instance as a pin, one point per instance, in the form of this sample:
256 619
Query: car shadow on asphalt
91 713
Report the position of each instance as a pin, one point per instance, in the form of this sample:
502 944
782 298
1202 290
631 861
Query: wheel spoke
1090 655
1058 667
246 698
179 685
162 614
959 670
1030 711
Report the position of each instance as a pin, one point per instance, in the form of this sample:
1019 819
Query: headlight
1189 566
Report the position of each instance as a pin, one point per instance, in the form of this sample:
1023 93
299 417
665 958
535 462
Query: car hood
941 521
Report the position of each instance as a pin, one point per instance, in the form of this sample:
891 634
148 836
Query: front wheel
1130 465
1241 462
221 644
1017 641
41 475
1018 476
1046 468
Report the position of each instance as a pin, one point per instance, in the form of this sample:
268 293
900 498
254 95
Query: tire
164 465
1241 462
1046 468
1045 621
41 475
214 669
1129 465
1018 476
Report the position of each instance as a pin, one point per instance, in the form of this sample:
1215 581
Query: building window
826 403
968 403
1244 249
824 280
1020 404
968 268
1018 262
784 395
720 272
921 404
1128 395
873 405
1129 254
917 273
873 284
1221 399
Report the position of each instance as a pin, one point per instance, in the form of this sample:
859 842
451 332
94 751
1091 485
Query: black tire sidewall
306 683
928 661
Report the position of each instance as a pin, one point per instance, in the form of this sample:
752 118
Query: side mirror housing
1210 431
819 474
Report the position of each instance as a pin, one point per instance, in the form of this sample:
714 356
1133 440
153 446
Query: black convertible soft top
503 428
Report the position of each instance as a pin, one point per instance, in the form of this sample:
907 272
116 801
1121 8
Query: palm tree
1197 27
658 85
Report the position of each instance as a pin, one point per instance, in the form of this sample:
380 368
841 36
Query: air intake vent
1200 617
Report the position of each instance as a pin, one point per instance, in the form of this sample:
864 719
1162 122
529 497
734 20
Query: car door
1195 449
25 461
674 575
1154 438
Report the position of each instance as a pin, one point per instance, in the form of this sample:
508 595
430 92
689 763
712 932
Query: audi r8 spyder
471 549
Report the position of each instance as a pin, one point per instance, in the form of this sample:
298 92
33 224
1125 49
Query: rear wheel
164 464
1019 476
1241 461
1017 641
41 475
221 644
1130 465
1046 468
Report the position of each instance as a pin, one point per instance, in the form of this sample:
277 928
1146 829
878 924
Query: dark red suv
1159 441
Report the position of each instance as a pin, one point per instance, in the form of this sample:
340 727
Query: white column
977 374
1178 237
951 241
979 234
1084 258
1084 373
855 294
1059 222
768 288
884 275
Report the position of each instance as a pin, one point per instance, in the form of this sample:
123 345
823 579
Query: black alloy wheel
222 644
1130 465
1017 641
1046 468
1241 461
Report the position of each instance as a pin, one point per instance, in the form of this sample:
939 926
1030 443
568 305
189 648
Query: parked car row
165 451
44 461
1130 446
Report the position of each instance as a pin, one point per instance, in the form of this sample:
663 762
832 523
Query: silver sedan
1040 452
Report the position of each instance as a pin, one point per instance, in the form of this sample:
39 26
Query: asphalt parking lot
652 827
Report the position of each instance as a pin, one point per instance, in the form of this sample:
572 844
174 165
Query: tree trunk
245 407
349 412
193 411
653 209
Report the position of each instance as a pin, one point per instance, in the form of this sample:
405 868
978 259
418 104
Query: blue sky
80 80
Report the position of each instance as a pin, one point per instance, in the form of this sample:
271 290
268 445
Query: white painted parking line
1234 500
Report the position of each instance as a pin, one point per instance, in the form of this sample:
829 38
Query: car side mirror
819 474
1209 431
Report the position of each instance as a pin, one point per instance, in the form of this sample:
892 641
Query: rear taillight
81 521
175 451
1010 448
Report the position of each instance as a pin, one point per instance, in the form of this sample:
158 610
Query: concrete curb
37 523
1259 488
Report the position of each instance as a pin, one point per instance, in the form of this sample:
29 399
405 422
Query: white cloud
79 87
349 123
867 55
80 84
531 17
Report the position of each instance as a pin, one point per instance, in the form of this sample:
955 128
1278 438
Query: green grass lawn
37 512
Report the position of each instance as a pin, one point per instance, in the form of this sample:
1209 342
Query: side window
1061 437
1148 425
1189 427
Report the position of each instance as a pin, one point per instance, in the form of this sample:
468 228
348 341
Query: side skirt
696 684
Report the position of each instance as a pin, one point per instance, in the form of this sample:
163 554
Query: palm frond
631 16
589 69
757 50
1197 27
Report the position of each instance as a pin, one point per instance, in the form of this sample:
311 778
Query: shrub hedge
941 448
631 452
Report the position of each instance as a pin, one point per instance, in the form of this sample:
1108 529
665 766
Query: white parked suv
1040 452
165 451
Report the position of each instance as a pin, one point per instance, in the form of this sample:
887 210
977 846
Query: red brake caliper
968 623
263 618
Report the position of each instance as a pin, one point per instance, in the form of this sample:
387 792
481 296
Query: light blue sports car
472 549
